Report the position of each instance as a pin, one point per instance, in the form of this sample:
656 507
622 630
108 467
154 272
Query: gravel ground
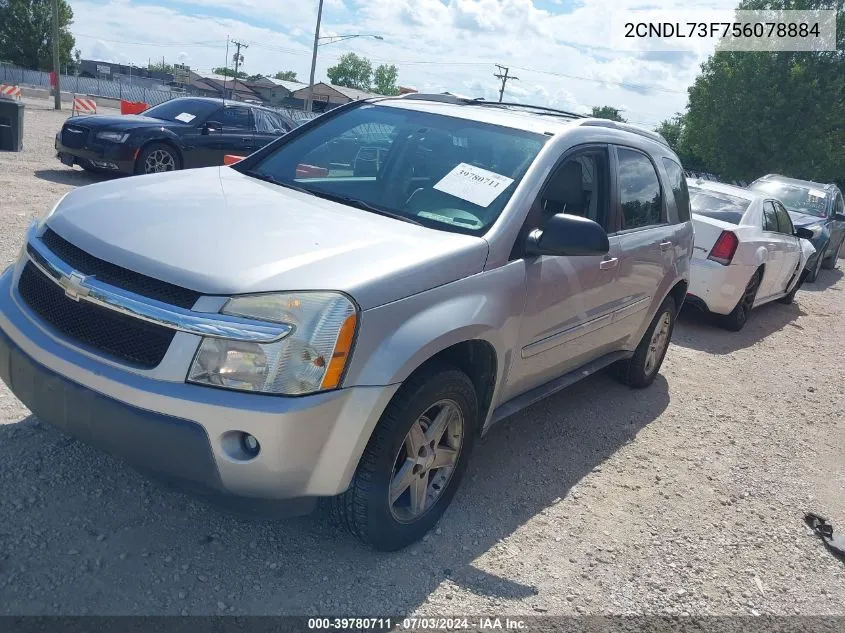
684 498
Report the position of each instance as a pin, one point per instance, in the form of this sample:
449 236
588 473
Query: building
327 96
275 92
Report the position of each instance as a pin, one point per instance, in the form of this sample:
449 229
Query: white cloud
436 44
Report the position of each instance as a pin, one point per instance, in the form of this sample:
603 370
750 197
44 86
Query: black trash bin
11 125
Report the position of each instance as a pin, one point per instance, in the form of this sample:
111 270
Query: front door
569 300
791 249
775 251
228 131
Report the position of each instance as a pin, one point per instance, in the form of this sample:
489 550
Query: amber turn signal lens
342 349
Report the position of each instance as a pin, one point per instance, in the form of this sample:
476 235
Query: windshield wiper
334 197
361 204
275 181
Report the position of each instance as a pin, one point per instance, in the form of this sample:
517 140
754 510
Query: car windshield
718 205
443 172
182 110
796 198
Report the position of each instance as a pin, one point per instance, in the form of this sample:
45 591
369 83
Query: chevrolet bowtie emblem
73 285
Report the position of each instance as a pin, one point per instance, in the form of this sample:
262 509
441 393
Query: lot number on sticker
185 117
815 193
473 184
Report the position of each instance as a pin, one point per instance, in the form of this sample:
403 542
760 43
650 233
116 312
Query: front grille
117 335
74 136
117 276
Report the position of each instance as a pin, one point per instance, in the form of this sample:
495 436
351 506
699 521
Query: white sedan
746 253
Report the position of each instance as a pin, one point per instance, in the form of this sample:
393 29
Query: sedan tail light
724 249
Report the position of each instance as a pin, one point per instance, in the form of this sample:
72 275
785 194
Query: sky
560 50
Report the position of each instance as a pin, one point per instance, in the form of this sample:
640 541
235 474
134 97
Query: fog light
249 444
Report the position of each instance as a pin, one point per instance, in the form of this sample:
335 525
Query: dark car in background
814 206
178 134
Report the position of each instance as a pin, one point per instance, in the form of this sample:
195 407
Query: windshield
182 110
442 172
796 198
717 205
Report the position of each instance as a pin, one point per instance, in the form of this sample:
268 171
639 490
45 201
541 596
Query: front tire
642 368
832 259
157 158
814 273
414 460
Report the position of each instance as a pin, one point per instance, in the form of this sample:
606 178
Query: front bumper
715 287
310 446
116 157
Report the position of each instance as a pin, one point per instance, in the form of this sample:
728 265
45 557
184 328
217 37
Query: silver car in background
342 314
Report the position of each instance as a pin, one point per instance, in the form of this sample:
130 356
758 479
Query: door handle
665 246
607 264
246 139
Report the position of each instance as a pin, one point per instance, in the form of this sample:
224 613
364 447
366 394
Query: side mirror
839 217
212 127
568 235
804 233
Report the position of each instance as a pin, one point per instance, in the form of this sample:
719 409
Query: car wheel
641 369
814 273
738 317
832 259
414 461
156 158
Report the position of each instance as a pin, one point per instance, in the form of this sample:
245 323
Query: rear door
647 238
232 134
268 127
791 248
776 250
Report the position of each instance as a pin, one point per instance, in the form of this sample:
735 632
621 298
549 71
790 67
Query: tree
26 33
285 75
229 72
384 80
352 71
607 112
255 77
755 113
161 67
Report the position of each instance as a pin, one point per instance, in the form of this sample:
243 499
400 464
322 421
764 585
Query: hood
124 122
805 219
217 231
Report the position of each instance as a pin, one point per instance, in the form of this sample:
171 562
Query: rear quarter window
717 205
679 188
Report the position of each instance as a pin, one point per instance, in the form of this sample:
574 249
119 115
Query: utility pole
310 95
504 77
226 66
57 97
238 59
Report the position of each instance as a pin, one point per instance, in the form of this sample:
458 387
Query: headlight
816 229
311 358
114 137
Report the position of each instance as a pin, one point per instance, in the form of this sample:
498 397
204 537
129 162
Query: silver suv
343 313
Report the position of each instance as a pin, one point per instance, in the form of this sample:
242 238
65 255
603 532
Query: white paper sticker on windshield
185 117
815 193
473 184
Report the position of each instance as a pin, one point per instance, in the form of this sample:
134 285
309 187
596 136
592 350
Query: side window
236 118
579 186
784 221
639 190
679 188
268 122
770 218
839 205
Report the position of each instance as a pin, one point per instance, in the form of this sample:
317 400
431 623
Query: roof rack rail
480 101
629 127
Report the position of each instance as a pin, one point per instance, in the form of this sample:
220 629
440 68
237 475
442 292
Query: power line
504 77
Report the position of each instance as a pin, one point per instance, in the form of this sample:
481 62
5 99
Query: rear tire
738 317
642 368
377 508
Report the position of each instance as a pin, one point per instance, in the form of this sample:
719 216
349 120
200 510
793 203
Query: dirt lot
684 498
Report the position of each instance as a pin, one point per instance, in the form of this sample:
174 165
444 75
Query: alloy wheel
158 161
425 462
657 344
